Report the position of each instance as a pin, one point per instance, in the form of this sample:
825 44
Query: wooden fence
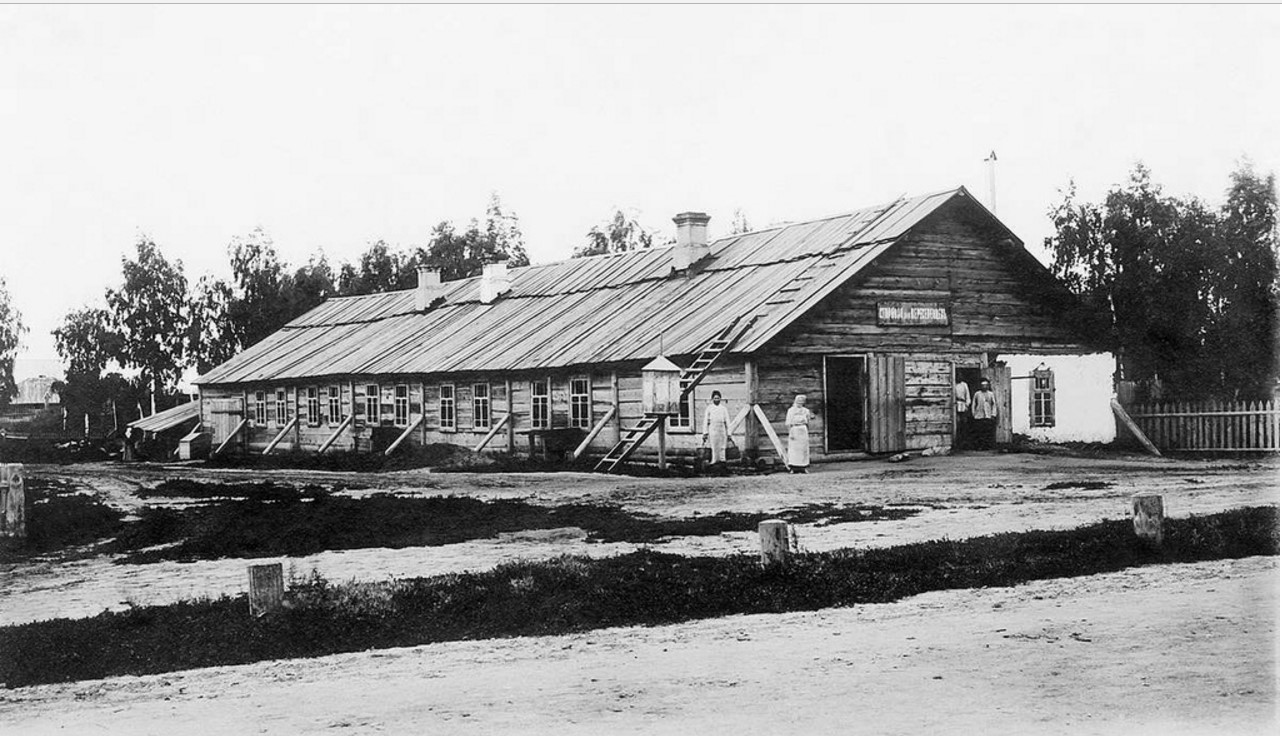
1210 426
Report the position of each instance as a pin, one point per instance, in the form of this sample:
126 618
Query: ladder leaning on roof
690 377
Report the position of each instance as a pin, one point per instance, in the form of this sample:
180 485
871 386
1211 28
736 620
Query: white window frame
401 405
448 405
334 405
260 408
282 403
313 406
543 400
481 406
372 400
581 403
1041 399
684 421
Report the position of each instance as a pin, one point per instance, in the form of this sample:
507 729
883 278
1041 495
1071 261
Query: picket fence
1210 426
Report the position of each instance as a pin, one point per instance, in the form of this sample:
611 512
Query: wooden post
511 425
663 442
1147 515
618 415
266 588
13 501
775 546
751 429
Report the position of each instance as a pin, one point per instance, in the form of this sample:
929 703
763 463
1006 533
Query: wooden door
227 413
999 377
885 403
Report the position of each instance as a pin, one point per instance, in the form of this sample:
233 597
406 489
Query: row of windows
580 405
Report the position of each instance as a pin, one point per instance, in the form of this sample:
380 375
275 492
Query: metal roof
588 310
162 420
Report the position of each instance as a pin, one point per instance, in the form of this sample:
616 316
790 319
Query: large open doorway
844 403
962 429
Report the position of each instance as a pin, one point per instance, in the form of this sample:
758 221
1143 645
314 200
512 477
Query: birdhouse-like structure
660 387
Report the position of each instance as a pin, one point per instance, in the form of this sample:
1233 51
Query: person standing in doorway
716 430
798 422
961 399
983 410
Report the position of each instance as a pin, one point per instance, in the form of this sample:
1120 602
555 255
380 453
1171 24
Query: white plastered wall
1083 389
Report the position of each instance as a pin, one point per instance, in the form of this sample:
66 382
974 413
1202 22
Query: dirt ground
1169 649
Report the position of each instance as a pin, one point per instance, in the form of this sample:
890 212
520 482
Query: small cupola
692 239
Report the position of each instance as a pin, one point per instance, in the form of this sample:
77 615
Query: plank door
999 377
226 413
885 403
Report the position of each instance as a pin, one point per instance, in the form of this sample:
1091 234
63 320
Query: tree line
1190 290
156 324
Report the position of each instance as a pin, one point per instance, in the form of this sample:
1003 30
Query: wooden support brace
243 423
1135 430
770 430
408 430
276 440
325 445
493 431
600 425
738 419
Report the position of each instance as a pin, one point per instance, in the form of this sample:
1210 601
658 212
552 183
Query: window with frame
401 406
685 410
335 405
449 418
1042 399
313 406
580 403
480 406
260 408
282 412
371 403
540 405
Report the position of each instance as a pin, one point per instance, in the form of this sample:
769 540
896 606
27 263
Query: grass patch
1085 485
577 594
270 520
60 517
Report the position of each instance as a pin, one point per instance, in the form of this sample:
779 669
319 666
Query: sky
332 127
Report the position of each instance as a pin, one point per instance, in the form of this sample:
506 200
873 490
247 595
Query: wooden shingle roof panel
593 310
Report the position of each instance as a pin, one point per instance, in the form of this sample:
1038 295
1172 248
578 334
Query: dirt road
1179 649
963 496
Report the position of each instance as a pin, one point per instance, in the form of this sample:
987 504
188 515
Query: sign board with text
912 314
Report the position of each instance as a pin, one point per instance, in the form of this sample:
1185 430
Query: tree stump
1147 515
266 588
13 501
775 545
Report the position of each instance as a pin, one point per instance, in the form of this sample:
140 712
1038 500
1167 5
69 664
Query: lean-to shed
871 314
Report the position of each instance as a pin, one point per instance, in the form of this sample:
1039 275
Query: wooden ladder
690 378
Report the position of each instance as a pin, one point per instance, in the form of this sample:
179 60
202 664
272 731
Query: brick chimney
429 287
494 281
692 239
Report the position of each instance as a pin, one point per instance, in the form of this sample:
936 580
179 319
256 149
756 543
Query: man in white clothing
716 428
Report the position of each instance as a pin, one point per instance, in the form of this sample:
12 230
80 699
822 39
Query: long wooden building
871 314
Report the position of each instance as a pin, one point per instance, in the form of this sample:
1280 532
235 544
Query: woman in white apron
799 435
716 428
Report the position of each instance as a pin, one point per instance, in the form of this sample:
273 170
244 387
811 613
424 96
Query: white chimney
429 287
692 239
494 281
